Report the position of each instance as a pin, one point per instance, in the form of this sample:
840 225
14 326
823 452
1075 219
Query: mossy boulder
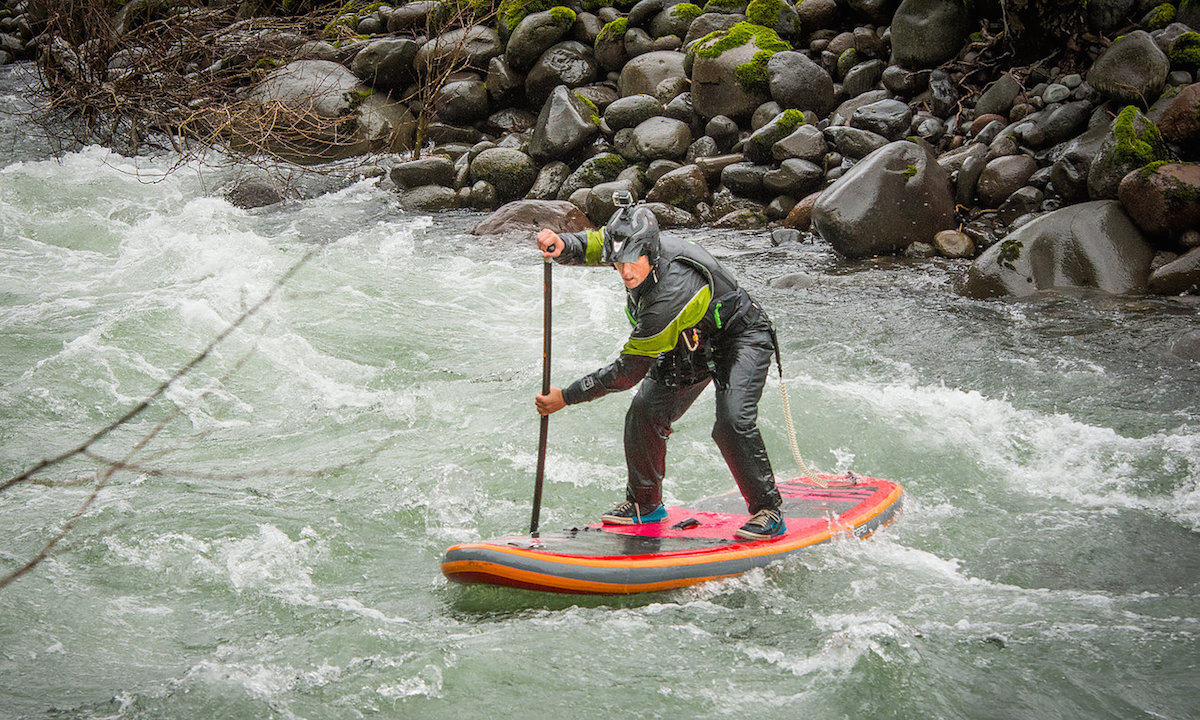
509 170
759 146
1133 142
512 12
779 15
1163 198
729 70
1159 16
674 20
1185 51
592 172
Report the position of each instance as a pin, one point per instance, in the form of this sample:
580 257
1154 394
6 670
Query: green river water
273 549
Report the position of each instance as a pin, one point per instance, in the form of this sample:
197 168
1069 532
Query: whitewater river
271 547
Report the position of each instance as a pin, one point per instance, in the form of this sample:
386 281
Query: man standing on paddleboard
692 325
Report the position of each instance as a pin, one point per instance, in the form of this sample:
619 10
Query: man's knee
727 431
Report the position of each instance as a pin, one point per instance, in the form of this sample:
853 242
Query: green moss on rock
752 76
1136 146
602 168
763 37
1010 252
614 30
785 123
512 12
594 111
1185 51
1161 16
764 12
688 11
562 15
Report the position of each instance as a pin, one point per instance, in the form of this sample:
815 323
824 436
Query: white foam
270 562
1032 451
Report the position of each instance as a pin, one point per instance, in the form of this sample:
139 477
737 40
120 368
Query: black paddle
545 429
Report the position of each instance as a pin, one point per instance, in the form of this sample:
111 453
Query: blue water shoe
630 513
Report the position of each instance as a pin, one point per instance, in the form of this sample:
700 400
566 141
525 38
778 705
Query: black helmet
630 233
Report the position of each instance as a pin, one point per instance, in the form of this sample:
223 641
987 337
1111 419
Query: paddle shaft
545 429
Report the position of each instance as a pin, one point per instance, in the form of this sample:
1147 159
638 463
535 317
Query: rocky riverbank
918 127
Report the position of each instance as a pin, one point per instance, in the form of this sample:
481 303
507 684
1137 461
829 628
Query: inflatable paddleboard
692 545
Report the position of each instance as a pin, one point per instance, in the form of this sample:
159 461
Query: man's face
633 273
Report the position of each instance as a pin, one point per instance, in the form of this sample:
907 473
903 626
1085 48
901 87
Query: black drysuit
692 324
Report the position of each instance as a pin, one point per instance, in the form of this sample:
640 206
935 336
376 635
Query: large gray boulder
567 63
525 216
888 118
1002 177
631 111
1181 275
1073 164
471 48
417 14
461 102
549 179
711 22
535 34
683 187
817 14
926 33
643 74
1090 245
310 104
386 64
729 71
794 177
798 82
565 124
429 198
662 138
807 142
1131 70
435 170
892 198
